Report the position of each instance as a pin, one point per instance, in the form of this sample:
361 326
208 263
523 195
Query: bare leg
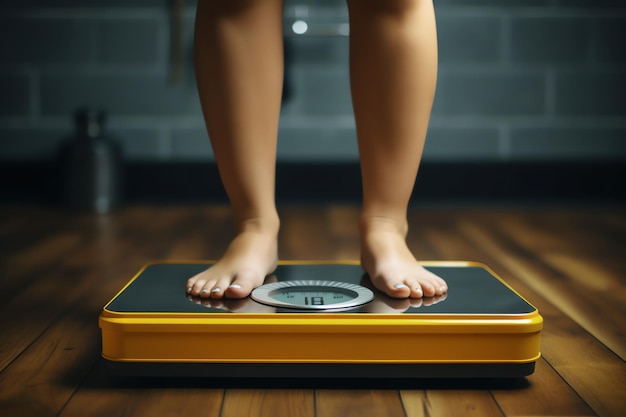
239 70
393 61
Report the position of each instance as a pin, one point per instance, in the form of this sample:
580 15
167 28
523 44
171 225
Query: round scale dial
312 295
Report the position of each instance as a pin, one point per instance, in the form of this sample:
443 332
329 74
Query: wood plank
204 234
457 403
268 403
62 324
304 234
45 376
26 316
597 300
21 267
343 229
616 219
343 221
51 292
600 311
358 403
21 224
422 222
596 373
104 395
546 394
588 367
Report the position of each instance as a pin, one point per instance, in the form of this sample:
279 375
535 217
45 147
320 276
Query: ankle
269 225
372 224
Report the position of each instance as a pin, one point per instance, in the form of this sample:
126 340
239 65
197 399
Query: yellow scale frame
347 338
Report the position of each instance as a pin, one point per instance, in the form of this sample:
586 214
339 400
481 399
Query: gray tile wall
519 80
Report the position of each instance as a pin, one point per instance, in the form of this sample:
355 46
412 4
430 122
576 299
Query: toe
197 287
416 291
219 288
432 285
437 283
207 289
428 289
243 284
216 292
400 290
392 286
439 286
237 291
443 287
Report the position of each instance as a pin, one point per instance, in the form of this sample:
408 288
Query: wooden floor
58 269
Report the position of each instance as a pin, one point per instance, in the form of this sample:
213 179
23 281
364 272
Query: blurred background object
91 163
530 101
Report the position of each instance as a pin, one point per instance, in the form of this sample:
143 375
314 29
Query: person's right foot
250 257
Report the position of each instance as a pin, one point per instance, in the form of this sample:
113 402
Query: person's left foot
390 264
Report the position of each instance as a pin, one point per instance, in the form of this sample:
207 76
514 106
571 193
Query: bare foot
391 265
250 257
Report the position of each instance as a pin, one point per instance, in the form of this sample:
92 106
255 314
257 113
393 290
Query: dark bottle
93 165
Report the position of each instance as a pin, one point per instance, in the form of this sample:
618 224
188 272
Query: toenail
399 286
442 289
237 286
204 290
189 289
216 290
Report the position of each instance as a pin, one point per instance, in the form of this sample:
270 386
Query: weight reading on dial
312 295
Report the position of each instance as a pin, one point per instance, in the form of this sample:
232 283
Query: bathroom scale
320 320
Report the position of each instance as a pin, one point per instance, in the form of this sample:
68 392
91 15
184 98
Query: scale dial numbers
312 295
